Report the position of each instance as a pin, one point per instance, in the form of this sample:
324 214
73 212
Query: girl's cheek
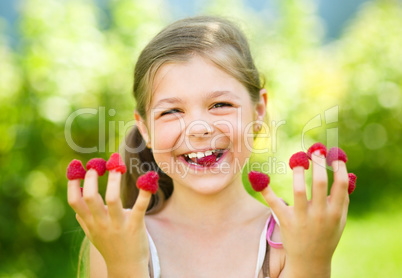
165 135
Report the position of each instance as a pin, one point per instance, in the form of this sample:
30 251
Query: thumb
141 205
274 202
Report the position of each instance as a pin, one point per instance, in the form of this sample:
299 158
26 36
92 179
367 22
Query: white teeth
201 154
208 153
192 155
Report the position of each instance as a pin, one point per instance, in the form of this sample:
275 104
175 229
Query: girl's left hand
311 229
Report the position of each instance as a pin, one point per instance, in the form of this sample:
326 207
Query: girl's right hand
118 234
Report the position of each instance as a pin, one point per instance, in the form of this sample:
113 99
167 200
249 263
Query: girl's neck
231 206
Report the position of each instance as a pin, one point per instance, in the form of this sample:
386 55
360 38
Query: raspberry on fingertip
148 182
75 170
99 164
116 163
336 154
258 180
317 146
299 159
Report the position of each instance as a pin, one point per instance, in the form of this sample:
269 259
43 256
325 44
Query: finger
299 189
320 180
112 197
82 224
75 200
92 197
339 190
141 205
275 203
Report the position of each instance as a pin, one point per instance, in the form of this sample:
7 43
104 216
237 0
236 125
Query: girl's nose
199 128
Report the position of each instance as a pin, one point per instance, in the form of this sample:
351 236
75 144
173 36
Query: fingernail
318 153
92 172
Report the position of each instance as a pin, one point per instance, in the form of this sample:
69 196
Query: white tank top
265 235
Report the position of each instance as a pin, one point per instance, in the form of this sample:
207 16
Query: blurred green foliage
74 57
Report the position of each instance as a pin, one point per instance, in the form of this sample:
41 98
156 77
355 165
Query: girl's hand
118 234
311 230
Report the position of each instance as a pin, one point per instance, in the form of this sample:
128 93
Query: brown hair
214 38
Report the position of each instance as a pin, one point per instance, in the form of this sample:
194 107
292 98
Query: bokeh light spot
389 95
37 184
55 109
374 136
48 230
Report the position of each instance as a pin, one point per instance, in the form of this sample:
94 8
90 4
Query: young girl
200 103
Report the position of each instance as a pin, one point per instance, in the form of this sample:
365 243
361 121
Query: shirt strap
271 226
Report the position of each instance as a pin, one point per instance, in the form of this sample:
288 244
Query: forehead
195 77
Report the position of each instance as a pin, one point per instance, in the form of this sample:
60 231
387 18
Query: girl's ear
260 110
261 106
142 127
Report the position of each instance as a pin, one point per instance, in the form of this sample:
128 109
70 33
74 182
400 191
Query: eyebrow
213 94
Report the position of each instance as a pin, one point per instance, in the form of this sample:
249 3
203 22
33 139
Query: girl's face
200 125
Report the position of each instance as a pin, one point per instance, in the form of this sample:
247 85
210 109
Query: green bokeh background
73 68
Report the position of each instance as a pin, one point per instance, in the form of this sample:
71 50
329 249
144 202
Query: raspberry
299 159
148 182
116 163
352 183
336 154
317 146
99 164
75 170
207 160
258 180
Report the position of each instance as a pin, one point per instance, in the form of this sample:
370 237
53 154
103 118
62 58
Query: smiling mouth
204 159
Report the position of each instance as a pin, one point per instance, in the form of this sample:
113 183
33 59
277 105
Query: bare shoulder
277 256
97 265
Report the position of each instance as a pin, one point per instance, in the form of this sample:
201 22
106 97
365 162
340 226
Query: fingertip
145 194
115 172
298 173
114 176
318 157
91 173
276 204
142 202
75 182
318 153
269 196
265 191
338 165
298 170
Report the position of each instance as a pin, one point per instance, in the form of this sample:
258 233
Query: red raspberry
299 159
116 163
207 160
352 183
315 147
336 154
75 170
148 182
99 164
258 180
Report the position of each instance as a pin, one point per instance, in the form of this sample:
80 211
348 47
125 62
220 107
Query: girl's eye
221 104
170 111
